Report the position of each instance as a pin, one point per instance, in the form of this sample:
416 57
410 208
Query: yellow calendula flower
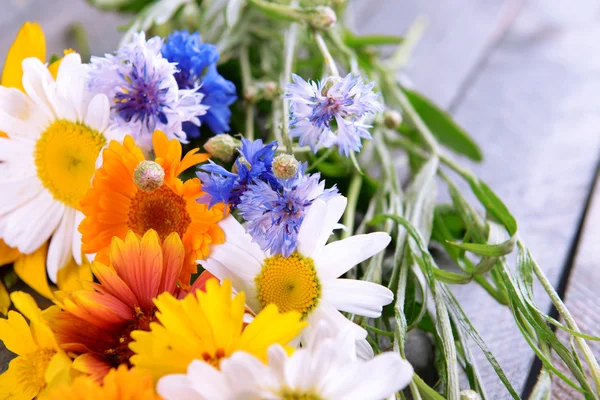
208 326
118 384
39 364
31 267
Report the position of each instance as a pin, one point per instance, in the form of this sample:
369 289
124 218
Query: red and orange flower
118 202
96 322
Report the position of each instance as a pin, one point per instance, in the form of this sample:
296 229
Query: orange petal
173 258
93 365
111 283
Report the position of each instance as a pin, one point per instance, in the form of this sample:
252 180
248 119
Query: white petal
334 320
17 193
318 224
338 257
70 87
29 226
36 79
60 250
18 151
177 387
245 375
379 378
357 297
364 351
237 260
98 113
236 235
208 381
19 111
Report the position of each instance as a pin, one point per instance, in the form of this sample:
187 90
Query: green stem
378 331
329 61
246 85
289 46
349 215
319 160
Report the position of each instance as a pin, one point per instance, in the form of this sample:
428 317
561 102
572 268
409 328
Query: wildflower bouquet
288 261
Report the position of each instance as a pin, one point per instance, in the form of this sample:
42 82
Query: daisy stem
378 331
246 85
349 215
329 61
289 46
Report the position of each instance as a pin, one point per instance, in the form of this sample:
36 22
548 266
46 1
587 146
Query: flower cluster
272 193
328 113
92 174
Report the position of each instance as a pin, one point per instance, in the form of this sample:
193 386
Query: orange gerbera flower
96 322
119 384
152 199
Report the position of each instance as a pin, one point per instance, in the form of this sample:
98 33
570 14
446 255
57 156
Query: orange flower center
161 210
214 360
120 352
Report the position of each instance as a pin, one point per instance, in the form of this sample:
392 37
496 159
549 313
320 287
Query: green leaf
443 127
371 40
494 205
491 250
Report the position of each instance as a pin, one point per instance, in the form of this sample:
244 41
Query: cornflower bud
222 146
148 176
392 119
285 166
322 18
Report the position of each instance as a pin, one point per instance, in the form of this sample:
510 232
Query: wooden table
523 77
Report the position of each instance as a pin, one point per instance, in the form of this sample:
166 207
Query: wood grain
582 293
533 108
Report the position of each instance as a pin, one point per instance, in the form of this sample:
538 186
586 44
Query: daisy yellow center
299 395
31 368
291 283
65 158
161 210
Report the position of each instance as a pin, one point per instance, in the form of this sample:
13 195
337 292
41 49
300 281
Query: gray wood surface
582 293
523 79
520 79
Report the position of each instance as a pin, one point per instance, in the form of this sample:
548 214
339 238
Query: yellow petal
10 387
30 42
7 254
31 268
16 335
58 370
53 68
42 334
4 299
72 276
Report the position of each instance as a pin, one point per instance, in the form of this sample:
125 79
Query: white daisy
327 369
308 280
48 158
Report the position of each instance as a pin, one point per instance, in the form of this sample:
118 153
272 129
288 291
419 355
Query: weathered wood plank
581 295
533 107
455 42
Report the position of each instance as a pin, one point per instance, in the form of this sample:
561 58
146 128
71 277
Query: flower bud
322 18
469 394
270 90
242 161
149 176
222 146
285 166
392 119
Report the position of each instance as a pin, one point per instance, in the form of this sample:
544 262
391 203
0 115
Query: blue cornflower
143 92
328 113
196 64
274 215
255 164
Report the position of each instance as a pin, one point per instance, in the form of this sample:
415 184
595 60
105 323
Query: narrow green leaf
371 40
490 250
451 277
443 126
494 205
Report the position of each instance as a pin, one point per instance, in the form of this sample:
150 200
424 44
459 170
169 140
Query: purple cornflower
197 68
274 215
143 92
328 113
254 164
